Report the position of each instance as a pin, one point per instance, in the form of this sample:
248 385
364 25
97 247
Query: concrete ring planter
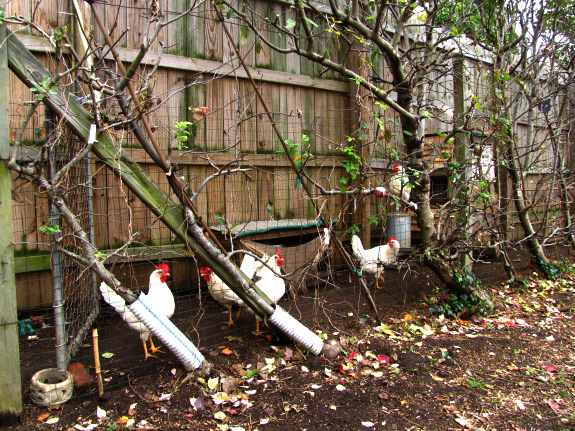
51 387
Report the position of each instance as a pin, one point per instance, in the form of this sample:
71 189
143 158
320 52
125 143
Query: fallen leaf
340 387
549 369
132 409
554 406
229 384
227 351
437 378
264 421
165 397
463 422
213 383
107 355
220 398
52 420
368 424
123 420
304 369
220 416
520 404
101 413
88 427
43 417
383 360
198 404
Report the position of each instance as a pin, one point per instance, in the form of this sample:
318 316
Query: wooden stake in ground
97 362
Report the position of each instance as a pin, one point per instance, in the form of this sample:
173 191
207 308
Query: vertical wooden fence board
248 127
136 17
213 33
24 217
215 199
263 57
278 61
196 31
293 64
215 121
266 204
172 35
240 202
247 41
162 233
322 111
230 104
265 134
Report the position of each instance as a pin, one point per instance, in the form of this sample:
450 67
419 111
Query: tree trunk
450 273
537 253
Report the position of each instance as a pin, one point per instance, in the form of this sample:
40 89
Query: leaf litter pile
510 370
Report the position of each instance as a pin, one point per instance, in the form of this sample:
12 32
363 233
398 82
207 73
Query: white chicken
264 277
158 294
222 293
268 282
375 259
397 184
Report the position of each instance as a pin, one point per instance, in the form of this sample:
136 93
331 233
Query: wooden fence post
10 380
461 99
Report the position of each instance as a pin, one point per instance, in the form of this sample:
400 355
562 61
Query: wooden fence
199 69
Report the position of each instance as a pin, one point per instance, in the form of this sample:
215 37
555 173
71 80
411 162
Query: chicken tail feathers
112 298
356 246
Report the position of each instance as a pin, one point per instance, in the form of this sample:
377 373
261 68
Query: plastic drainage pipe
168 334
293 328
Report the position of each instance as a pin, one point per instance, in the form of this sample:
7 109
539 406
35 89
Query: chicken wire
268 195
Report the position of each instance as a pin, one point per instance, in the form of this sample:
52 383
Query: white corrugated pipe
168 334
293 328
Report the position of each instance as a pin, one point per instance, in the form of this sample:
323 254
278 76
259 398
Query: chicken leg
258 325
230 321
153 348
377 282
146 350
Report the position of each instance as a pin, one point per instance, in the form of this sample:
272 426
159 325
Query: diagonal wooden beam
31 72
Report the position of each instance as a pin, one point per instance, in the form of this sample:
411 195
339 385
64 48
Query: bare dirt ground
510 370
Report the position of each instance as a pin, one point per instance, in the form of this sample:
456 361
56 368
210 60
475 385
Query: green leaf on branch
311 22
220 219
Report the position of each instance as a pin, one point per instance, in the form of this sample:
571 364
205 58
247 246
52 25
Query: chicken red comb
204 271
397 165
392 239
278 253
163 267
